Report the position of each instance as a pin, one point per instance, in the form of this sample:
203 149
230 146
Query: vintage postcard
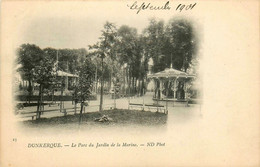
129 83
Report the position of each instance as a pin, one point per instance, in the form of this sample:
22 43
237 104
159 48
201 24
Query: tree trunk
30 91
61 102
80 115
132 85
128 85
101 91
140 87
143 87
75 107
52 96
39 103
109 84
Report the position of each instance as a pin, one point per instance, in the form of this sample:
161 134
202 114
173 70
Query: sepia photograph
124 78
130 83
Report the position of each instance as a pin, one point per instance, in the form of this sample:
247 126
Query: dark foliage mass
172 43
30 56
123 52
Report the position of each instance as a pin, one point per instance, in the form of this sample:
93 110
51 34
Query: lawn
116 116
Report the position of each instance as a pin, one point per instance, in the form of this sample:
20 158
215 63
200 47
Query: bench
53 104
26 116
136 105
107 106
33 114
149 106
156 106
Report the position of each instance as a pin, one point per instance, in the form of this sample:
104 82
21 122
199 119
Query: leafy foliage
174 43
85 81
44 73
124 54
154 38
28 57
130 49
183 43
69 59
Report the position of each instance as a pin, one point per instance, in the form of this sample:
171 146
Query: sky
68 32
77 25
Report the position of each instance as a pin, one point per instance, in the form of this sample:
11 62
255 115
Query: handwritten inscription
181 7
142 6
149 6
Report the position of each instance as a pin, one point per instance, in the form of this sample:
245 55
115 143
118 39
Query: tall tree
29 56
84 87
69 59
44 75
129 47
173 44
183 43
106 47
154 40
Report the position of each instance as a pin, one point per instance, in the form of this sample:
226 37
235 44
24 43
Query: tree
83 88
105 48
182 41
68 59
29 56
174 43
44 75
154 41
129 48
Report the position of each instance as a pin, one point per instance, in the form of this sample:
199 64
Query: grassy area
118 116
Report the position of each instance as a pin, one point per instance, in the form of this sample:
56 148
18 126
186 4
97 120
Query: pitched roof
170 72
